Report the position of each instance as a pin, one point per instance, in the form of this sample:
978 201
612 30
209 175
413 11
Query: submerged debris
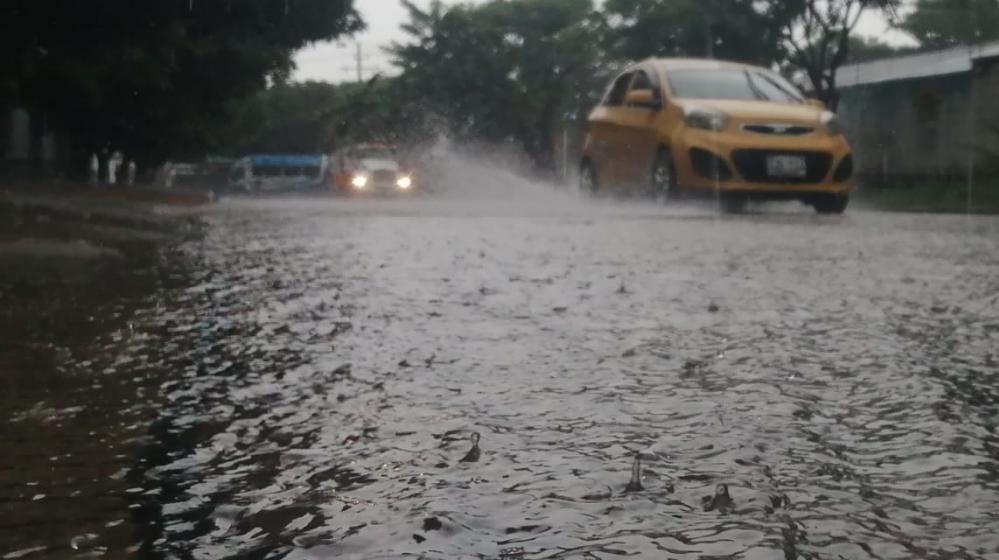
635 484
474 453
721 501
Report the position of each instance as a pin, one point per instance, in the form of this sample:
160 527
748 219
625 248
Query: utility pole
358 63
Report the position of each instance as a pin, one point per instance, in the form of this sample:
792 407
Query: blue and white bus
279 173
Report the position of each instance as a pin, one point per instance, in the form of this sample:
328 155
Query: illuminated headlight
704 119
404 183
359 181
831 122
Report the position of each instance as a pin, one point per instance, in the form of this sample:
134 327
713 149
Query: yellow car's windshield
732 84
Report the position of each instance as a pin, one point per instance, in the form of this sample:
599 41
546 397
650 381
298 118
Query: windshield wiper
756 89
790 95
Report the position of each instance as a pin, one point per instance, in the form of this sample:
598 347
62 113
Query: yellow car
740 132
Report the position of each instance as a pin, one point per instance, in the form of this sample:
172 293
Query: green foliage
286 118
179 78
818 38
946 23
318 117
504 70
154 79
742 30
982 197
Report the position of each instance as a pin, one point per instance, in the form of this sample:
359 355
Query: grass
935 198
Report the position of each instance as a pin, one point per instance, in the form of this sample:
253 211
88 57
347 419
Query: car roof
692 63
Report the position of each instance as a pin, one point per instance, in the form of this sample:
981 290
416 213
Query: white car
371 169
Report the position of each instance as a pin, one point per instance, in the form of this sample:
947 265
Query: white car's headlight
831 122
404 183
705 119
359 181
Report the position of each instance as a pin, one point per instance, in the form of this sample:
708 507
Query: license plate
786 166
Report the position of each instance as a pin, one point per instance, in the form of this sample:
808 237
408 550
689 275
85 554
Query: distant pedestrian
114 164
168 175
95 169
130 171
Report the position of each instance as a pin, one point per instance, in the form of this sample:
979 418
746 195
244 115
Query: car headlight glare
359 181
831 122
404 183
704 119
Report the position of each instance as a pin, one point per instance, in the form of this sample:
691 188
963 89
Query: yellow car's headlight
704 119
831 122
359 181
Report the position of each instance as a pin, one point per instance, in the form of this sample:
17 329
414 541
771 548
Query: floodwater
315 373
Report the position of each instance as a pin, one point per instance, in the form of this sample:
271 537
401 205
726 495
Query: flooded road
474 377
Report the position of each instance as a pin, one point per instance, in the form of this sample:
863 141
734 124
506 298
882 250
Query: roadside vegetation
524 72
157 80
190 78
955 198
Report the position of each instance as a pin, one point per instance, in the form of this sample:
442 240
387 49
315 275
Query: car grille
752 165
709 166
778 129
383 176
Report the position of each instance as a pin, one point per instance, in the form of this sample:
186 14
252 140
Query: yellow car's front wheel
830 203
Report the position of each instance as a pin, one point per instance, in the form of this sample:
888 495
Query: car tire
588 183
831 204
662 177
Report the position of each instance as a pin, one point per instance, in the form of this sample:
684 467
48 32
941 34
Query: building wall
910 130
986 109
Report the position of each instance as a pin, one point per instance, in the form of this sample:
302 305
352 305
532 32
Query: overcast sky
333 62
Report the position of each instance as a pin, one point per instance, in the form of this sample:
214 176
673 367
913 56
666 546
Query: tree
939 24
818 38
504 70
743 30
286 118
155 79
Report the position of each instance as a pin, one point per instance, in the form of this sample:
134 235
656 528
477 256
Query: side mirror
645 98
817 103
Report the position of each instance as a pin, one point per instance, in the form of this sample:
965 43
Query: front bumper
739 166
374 188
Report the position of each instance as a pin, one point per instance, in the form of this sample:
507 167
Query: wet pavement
475 374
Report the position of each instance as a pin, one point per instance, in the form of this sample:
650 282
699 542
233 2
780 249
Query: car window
267 171
732 84
643 81
615 96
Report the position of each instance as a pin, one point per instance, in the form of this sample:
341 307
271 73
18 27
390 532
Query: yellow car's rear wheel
588 183
662 179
